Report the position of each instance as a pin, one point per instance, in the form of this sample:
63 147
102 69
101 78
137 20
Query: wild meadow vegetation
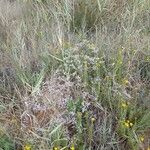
74 75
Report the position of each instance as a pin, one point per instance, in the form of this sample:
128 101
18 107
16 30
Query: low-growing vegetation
74 75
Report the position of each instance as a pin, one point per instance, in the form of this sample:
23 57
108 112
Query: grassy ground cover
74 75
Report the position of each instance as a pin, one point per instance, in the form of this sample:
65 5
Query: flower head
141 138
55 148
127 123
125 81
124 104
72 147
93 119
27 147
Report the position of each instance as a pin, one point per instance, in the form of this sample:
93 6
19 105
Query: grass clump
74 75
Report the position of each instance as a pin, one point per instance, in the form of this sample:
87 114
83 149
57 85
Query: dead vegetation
74 74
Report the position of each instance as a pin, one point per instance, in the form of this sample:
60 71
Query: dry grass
74 74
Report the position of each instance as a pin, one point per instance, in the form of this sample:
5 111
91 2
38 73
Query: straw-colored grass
74 74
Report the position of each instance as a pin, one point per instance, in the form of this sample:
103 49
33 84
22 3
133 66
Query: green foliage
6 143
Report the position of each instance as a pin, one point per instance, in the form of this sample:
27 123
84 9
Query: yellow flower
124 104
27 147
128 123
148 148
56 148
131 124
72 147
141 138
93 119
125 81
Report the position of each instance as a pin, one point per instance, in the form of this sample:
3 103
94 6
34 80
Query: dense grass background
74 74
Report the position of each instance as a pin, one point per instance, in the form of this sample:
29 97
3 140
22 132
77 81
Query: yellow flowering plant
93 119
128 123
27 147
72 147
124 104
55 148
141 138
125 82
